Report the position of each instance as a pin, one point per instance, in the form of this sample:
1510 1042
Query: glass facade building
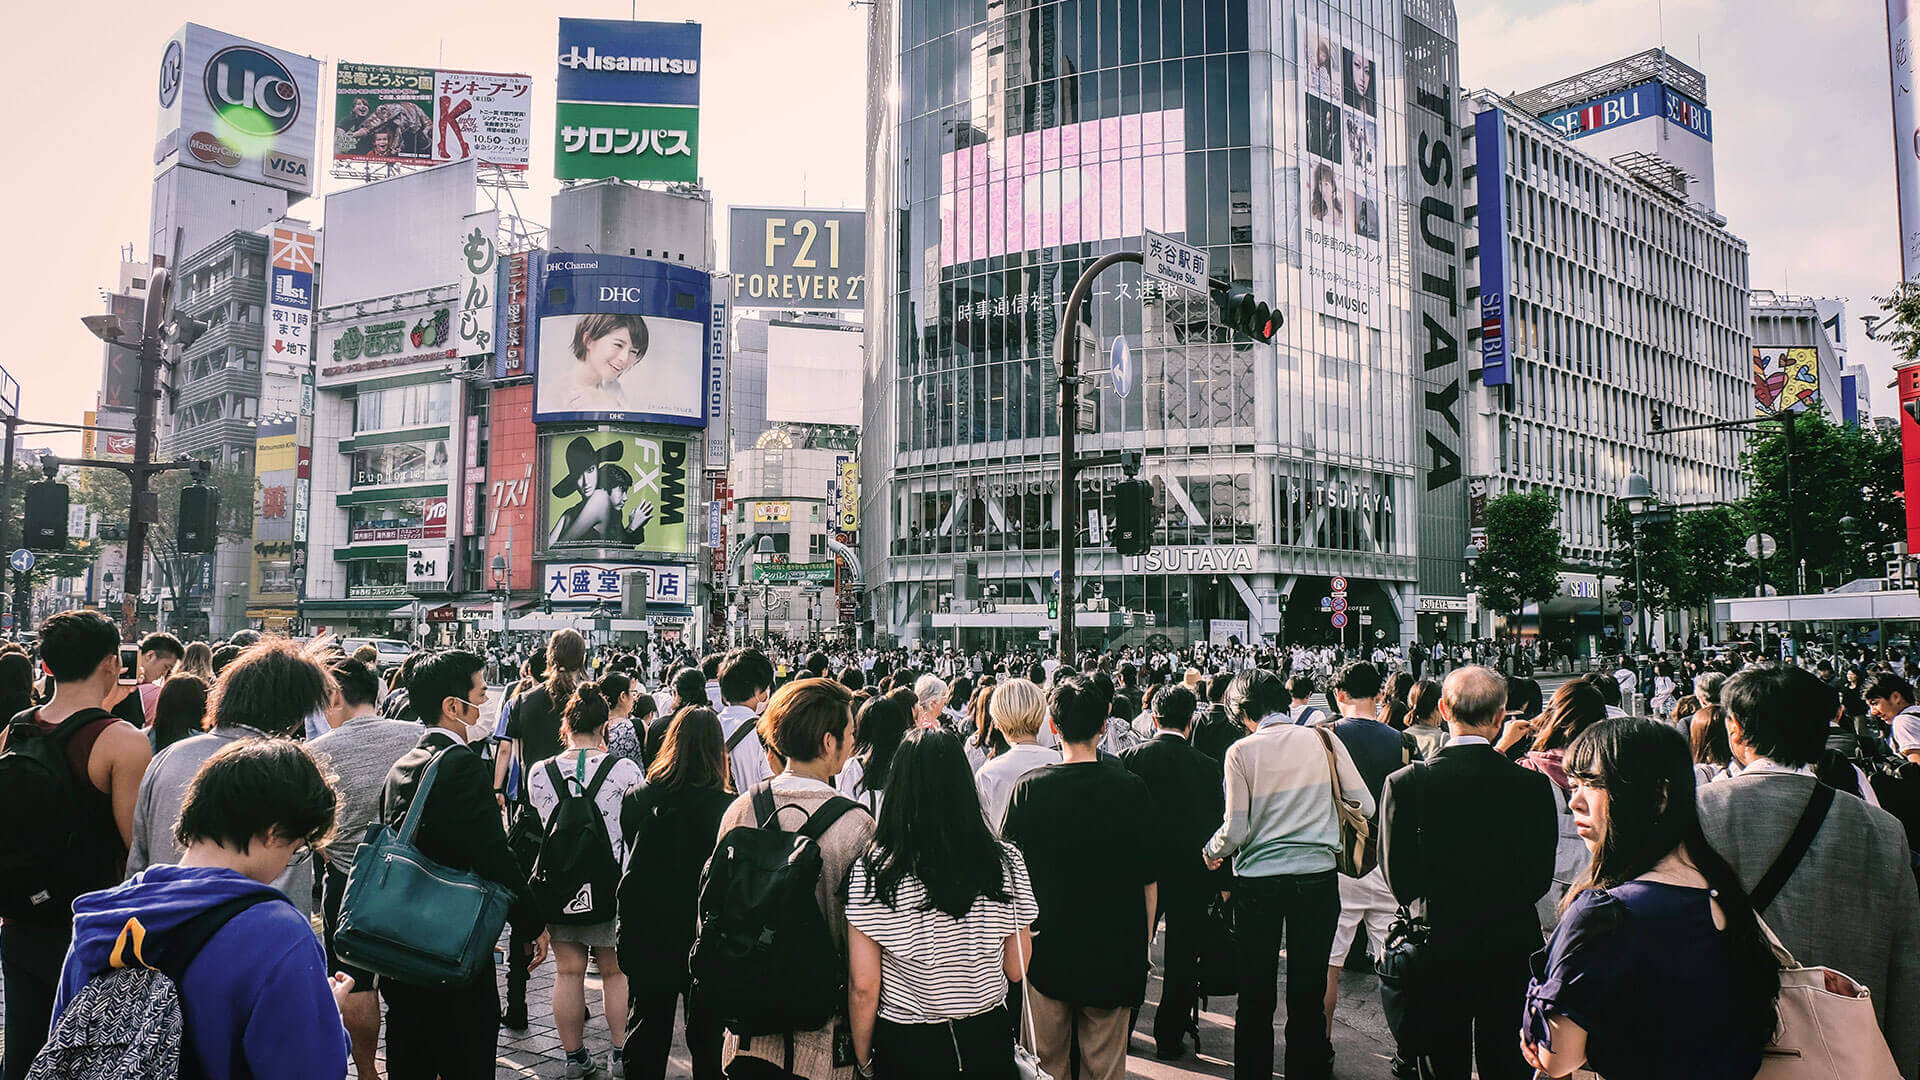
1311 149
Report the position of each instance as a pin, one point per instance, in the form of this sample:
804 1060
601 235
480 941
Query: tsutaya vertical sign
1432 65
479 261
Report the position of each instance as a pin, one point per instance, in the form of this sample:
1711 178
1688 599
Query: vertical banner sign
290 294
629 101
510 315
1342 177
1906 134
479 263
1490 137
719 336
850 496
1909 383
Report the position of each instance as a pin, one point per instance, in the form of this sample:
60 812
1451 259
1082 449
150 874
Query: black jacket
1189 801
1473 835
460 827
660 890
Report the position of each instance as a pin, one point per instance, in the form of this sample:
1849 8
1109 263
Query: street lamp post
1638 495
763 554
503 588
1472 558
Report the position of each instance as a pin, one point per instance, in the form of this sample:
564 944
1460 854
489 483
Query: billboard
628 101
1342 177
768 512
104 445
511 502
510 314
479 267
1068 184
425 116
1490 136
1785 380
238 108
1906 150
792 573
815 260
616 490
666 584
290 267
719 363
1644 102
274 462
813 374
381 344
849 496
620 339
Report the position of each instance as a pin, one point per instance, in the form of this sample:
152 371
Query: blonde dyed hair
1017 706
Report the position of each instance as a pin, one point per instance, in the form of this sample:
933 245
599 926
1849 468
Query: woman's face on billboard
607 358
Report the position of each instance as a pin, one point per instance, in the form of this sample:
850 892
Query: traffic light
199 518
1658 419
1241 311
46 514
1133 517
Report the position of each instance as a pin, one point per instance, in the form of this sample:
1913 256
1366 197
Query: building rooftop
1649 66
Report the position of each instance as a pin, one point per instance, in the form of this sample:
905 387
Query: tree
1521 563
108 493
1711 556
1838 471
1901 328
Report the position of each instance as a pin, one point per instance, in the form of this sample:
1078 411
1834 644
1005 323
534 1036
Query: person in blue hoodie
256 999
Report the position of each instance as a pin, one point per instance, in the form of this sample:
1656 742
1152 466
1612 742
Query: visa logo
284 166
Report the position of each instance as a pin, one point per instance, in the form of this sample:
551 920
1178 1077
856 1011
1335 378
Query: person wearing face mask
361 747
453 1030
270 691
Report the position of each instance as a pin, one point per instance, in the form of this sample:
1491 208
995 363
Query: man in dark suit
1470 835
1188 794
452 1031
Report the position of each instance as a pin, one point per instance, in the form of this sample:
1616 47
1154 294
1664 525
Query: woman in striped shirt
938 913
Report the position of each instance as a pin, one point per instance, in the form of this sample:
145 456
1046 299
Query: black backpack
60 842
576 876
763 959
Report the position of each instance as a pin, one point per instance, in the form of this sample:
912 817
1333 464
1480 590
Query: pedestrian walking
1018 709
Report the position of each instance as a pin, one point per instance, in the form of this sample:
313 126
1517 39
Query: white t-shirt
1905 735
749 758
996 779
623 776
851 783
933 966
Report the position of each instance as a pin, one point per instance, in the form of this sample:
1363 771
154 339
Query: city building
1606 294
1795 365
1012 144
788 537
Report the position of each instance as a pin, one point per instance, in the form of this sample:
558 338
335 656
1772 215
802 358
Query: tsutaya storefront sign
1198 559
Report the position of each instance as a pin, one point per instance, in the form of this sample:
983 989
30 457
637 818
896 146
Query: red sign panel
1910 451
511 492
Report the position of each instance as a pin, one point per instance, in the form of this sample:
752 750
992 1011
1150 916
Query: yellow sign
850 496
772 512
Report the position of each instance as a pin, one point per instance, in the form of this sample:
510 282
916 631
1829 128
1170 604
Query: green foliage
1837 471
1685 561
1901 330
1522 563
109 493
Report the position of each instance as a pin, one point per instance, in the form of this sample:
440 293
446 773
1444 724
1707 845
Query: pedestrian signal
46 516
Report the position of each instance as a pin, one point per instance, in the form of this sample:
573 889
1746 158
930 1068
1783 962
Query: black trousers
450 1032
1301 910
30 959
977 1048
1489 993
1180 979
650 1011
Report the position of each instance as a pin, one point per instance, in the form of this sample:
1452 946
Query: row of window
403 406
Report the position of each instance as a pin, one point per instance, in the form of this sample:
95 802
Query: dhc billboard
1642 102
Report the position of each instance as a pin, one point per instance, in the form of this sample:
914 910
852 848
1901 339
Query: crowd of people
911 863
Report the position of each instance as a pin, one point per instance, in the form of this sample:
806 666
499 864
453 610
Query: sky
1803 150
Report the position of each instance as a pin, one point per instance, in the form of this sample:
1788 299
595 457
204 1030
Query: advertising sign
382 344
104 445
666 584
423 116
238 108
620 339
617 490
427 567
120 374
628 101
274 464
512 502
1342 178
1906 146
1785 380
290 293
432 525
772 512
799 573
849 496
479 262
1490 136
1644 102
815 260
719 363
510 315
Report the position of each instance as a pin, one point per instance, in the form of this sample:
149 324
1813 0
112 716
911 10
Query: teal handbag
407 918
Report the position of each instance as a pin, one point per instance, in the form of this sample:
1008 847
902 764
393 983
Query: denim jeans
1301 910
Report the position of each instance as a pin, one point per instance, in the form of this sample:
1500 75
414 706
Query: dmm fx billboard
611 489
620 339
1490 141
426 116
1643 102
629 101
814 260
237 108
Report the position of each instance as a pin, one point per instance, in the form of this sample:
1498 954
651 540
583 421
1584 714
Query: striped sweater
1280 813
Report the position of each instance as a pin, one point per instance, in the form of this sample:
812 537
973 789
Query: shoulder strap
824 818
558 781
600 776
1333 763
1796 849
411 823
192 936
765 814
739 735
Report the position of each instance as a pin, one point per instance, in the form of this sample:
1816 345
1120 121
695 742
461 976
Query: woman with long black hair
877 732
1659 967
938 913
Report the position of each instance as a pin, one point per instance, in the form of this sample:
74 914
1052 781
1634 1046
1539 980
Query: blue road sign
21 560
1121 366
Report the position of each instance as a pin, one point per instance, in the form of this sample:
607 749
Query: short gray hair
1474 696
